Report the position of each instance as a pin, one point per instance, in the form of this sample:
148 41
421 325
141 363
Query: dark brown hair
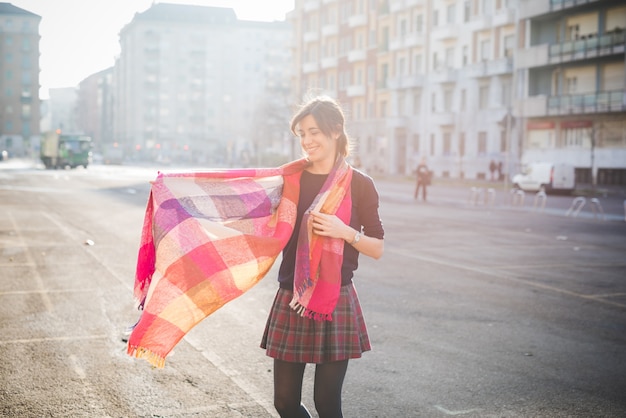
329 118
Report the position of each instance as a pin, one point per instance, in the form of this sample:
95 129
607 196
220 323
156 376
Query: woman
297 332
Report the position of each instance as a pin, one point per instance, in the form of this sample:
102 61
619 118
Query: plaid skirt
293 338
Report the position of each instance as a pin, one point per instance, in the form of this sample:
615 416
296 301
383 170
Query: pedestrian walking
316 316
423 179
492 169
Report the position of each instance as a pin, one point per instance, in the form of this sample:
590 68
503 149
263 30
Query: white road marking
53 339
448 412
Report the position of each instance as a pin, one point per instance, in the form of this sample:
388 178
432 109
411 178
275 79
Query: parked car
546 176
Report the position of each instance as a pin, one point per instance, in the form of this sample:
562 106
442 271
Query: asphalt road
473 311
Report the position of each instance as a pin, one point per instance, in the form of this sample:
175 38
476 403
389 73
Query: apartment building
94 108
419 78
467 82
19 79
573 84
190 81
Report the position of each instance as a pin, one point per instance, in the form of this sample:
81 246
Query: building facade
454 80
191 79
573 81
94 109
19 79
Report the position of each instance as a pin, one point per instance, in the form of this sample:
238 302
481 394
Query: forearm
369 246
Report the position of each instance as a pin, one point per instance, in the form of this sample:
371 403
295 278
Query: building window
509 46
573 32
432 145
463 99
447 100
418 64
433 102
417 99
467 10
450 13
383 109
419 23
482 143
462 144
570 85
465 55
416 143
447 143
401 106
485 49
506 93
436 18
401 66
483 97
450 57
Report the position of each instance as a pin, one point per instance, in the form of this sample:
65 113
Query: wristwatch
357 238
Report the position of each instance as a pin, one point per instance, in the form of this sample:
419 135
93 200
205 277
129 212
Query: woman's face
318 147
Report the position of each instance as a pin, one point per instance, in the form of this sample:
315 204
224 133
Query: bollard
576 206
475 194
472 196
624 210
597 207
518 197
541 195
490 197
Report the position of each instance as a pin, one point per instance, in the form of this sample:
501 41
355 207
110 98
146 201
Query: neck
322 167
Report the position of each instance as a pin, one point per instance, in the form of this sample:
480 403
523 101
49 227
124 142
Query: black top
364 216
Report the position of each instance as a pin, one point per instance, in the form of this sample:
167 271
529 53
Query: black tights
327 389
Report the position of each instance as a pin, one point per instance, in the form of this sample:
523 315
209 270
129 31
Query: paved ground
474 310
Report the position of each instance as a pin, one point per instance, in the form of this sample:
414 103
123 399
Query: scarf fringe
308 313
153 358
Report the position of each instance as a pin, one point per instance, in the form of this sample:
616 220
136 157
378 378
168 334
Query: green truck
65 150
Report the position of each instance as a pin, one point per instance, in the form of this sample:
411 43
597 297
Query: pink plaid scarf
213 235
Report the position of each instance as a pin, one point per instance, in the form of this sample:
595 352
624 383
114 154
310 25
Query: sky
80 37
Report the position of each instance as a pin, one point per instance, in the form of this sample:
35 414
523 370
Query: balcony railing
590 45
604 101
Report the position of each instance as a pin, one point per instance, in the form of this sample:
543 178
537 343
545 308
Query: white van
546 176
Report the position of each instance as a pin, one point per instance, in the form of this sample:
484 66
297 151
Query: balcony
356 90
310 36
406 41
356 55
330 29
444 75
504 17
530 8
329 62
310 67
441 33
488 68
406 81
442 118
599 102
480 22
587 48
311 5
357 20
573 104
